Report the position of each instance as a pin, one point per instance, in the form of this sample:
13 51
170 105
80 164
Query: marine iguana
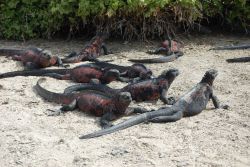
239 60
90 52
147 90
233 47
170 48
167 47
81 74
87 72
133 73
33 58
93 102
190 104
136 71
164 59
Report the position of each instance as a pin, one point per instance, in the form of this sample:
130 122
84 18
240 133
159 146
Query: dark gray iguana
192 103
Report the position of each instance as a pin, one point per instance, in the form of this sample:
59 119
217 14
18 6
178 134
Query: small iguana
90 52
33 58
192 103
93 102
147 90
170 48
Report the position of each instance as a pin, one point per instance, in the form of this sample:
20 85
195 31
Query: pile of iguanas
96 98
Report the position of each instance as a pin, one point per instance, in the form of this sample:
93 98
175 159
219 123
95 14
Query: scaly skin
33 58
148 90
93 102
192 103
90 52
239 60
135 72
164 59
87 73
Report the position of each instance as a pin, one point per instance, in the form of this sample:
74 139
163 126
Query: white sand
28 137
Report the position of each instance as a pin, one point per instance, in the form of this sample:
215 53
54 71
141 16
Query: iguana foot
108 125
225 106
138 110
54 112
171 100
151 51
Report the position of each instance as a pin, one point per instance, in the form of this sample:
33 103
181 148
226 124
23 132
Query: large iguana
93 102
190 104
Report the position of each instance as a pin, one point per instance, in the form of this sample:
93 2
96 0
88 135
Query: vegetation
21 19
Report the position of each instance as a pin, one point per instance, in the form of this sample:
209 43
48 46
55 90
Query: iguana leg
17 58
105 49
64 108
170 118
136 79
165 100
30 66
106 119
58 76
160 50
216 102
138 110
95 81
60 63
123 79
72 54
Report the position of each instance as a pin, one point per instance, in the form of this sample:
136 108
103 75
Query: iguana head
171 73
112 75
124 97
209 76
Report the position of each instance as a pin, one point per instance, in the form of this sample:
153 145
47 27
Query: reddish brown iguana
93 102
170 48
147 90
33 58
90 52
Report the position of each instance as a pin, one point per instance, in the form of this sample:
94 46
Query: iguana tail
128 123
239 60
51 96
164 59
105 64
247 46
33 72
96 87
10 52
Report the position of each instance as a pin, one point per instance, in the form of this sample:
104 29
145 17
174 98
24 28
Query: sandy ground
28 137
